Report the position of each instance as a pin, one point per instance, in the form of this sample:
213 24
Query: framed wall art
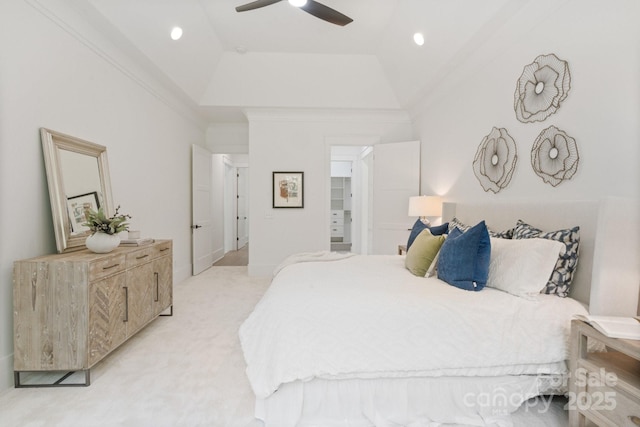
288 189
77 206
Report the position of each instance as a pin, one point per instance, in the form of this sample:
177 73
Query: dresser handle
142 256
164 249
635 420
157 276
126 304
110 267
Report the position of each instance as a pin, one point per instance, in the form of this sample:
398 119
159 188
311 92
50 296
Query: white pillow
522 266
433 267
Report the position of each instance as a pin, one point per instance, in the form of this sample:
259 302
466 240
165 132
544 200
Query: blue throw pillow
464 258
436 230
439 230
415 230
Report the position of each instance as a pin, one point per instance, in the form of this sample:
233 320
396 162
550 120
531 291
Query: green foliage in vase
98 222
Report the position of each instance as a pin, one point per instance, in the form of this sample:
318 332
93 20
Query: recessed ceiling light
297 3
176 33
418 38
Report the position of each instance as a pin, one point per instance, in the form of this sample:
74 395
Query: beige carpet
186 370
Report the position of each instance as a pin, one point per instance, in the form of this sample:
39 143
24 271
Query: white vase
102 243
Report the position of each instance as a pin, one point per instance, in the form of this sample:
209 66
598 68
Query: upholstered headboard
599 262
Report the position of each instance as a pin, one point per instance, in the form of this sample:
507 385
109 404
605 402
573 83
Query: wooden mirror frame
52 143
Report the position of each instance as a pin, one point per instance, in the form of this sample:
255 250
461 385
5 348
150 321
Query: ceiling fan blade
325 12
256 5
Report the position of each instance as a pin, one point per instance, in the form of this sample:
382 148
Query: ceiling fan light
297 3
418 38
176 33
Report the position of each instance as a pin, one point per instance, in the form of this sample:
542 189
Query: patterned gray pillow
455 222
560 281
506 234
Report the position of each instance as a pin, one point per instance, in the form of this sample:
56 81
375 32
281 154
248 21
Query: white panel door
202 209
243 206
396 177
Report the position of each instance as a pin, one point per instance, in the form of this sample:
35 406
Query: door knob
196 226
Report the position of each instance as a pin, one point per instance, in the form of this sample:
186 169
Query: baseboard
218 255
6 373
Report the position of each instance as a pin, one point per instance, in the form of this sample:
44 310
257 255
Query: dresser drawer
610 404
140 256
106 266
337 231
607 388
162 248
337 221
337 214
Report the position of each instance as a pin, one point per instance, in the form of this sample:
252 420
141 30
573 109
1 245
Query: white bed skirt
411 402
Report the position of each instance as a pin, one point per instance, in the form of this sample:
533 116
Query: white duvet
369 317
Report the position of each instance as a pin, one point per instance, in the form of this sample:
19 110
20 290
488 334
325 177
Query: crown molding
67 16
326 115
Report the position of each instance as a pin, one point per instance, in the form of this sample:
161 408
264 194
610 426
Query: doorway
341 195
236 211
349 202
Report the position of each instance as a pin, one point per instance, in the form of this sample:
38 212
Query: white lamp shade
425 206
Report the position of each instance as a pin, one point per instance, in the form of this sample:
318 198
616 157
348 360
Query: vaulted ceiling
280 56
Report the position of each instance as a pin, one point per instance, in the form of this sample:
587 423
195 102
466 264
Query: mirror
78 179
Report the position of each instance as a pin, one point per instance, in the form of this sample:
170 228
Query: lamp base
424 220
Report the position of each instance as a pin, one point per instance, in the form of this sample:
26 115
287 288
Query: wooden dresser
605 386
71 310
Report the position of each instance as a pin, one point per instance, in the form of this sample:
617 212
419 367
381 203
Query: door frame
358 206
230 201
364 221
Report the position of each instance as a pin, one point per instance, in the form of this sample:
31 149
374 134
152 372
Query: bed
353 340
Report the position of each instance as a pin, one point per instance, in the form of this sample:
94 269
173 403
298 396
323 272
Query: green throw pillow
422 252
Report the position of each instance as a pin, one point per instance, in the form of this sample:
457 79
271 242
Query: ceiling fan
310 6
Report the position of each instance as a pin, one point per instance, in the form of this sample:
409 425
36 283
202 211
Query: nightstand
402 249
604 388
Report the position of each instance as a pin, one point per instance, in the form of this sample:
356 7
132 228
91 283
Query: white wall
300 141
52 77
228 138
258 79
601 44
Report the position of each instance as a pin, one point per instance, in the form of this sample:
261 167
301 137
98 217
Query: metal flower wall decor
543 85
554 156
495 160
